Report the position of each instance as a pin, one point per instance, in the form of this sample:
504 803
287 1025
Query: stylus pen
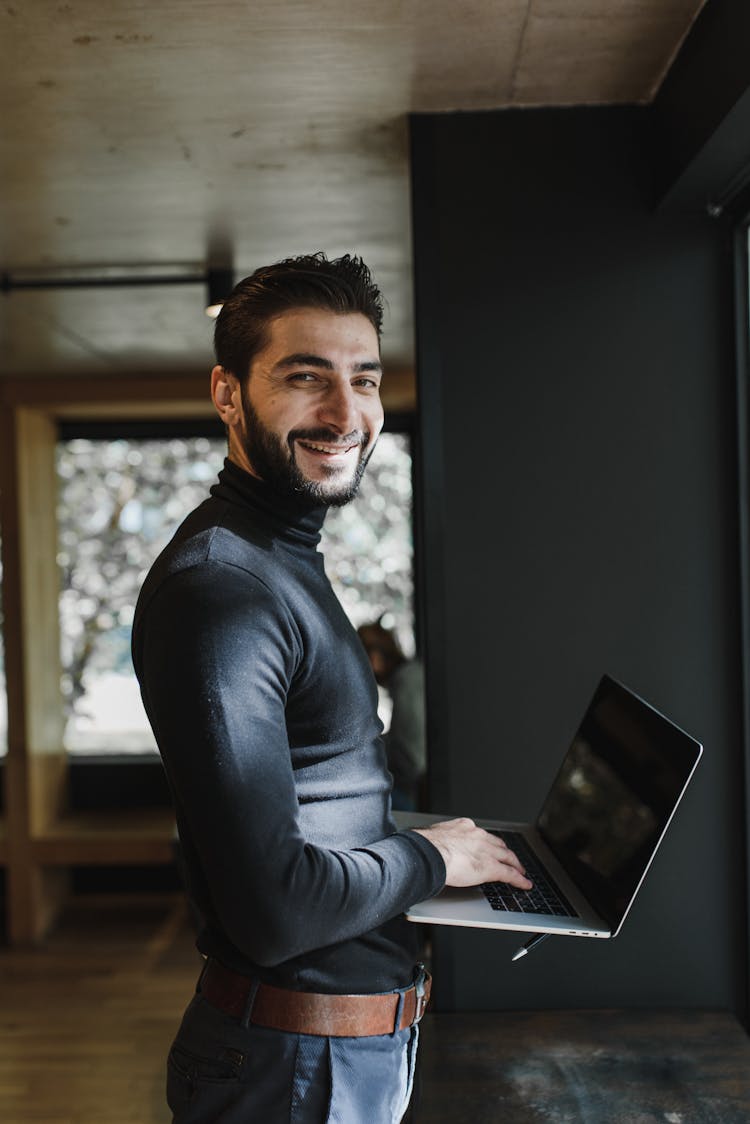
532 943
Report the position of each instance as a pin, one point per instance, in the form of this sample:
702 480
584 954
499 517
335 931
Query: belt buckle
420 994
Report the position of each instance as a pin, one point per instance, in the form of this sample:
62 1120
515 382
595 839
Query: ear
225 394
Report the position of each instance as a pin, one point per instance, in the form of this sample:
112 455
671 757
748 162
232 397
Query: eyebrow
307 359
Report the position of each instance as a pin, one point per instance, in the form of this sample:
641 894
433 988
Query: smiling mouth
327 450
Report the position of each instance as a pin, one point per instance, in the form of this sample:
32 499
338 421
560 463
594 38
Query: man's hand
472 855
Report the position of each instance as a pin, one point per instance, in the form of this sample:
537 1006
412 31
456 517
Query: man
264 708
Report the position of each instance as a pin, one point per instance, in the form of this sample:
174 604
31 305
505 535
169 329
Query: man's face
311 410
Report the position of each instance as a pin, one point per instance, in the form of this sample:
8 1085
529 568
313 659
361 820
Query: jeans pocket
187 1072
224 1065
180 1086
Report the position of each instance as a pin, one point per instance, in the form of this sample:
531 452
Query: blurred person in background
405 744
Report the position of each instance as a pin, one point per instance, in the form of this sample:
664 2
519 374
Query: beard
275 463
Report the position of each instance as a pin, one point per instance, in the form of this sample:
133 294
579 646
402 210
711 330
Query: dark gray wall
579 470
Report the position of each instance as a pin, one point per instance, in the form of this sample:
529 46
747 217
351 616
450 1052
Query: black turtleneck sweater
264 708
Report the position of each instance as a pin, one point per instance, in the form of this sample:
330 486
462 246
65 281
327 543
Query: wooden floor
86 1020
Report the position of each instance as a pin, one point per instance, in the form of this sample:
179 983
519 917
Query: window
368 544
121 499
119 503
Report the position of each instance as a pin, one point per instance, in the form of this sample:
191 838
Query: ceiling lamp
220 284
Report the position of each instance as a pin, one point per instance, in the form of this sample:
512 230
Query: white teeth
326 448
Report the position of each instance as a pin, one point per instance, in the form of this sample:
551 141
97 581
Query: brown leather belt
304 1012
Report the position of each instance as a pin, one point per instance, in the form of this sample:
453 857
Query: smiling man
311 413
264 707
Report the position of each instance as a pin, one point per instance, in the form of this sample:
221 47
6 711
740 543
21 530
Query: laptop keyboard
545 897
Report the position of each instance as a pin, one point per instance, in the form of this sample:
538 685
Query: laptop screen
614 796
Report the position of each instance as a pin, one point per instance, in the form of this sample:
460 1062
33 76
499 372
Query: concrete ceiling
152 138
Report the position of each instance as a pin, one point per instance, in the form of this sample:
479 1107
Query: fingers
473 855
509 867
508 856
513 874
495 846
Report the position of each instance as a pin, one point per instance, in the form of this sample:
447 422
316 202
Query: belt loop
399 1012
249 1004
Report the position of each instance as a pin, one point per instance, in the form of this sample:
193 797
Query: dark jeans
221 1072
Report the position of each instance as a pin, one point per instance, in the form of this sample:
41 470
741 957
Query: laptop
596 834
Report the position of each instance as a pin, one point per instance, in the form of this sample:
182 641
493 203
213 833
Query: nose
339 408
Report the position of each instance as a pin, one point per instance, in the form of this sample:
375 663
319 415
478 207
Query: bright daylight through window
119 503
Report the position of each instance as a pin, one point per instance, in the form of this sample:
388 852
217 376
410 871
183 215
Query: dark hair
309 281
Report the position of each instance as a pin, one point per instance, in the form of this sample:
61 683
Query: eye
367 382
302 376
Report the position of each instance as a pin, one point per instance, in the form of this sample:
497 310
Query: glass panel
119 503
368 544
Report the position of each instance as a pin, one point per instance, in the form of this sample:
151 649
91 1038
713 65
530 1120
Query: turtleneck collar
294 518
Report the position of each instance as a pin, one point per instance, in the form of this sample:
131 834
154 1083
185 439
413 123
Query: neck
290 516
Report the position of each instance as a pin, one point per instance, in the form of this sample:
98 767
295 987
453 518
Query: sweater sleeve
215 654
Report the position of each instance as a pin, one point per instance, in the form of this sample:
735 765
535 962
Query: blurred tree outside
119 503
368 545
